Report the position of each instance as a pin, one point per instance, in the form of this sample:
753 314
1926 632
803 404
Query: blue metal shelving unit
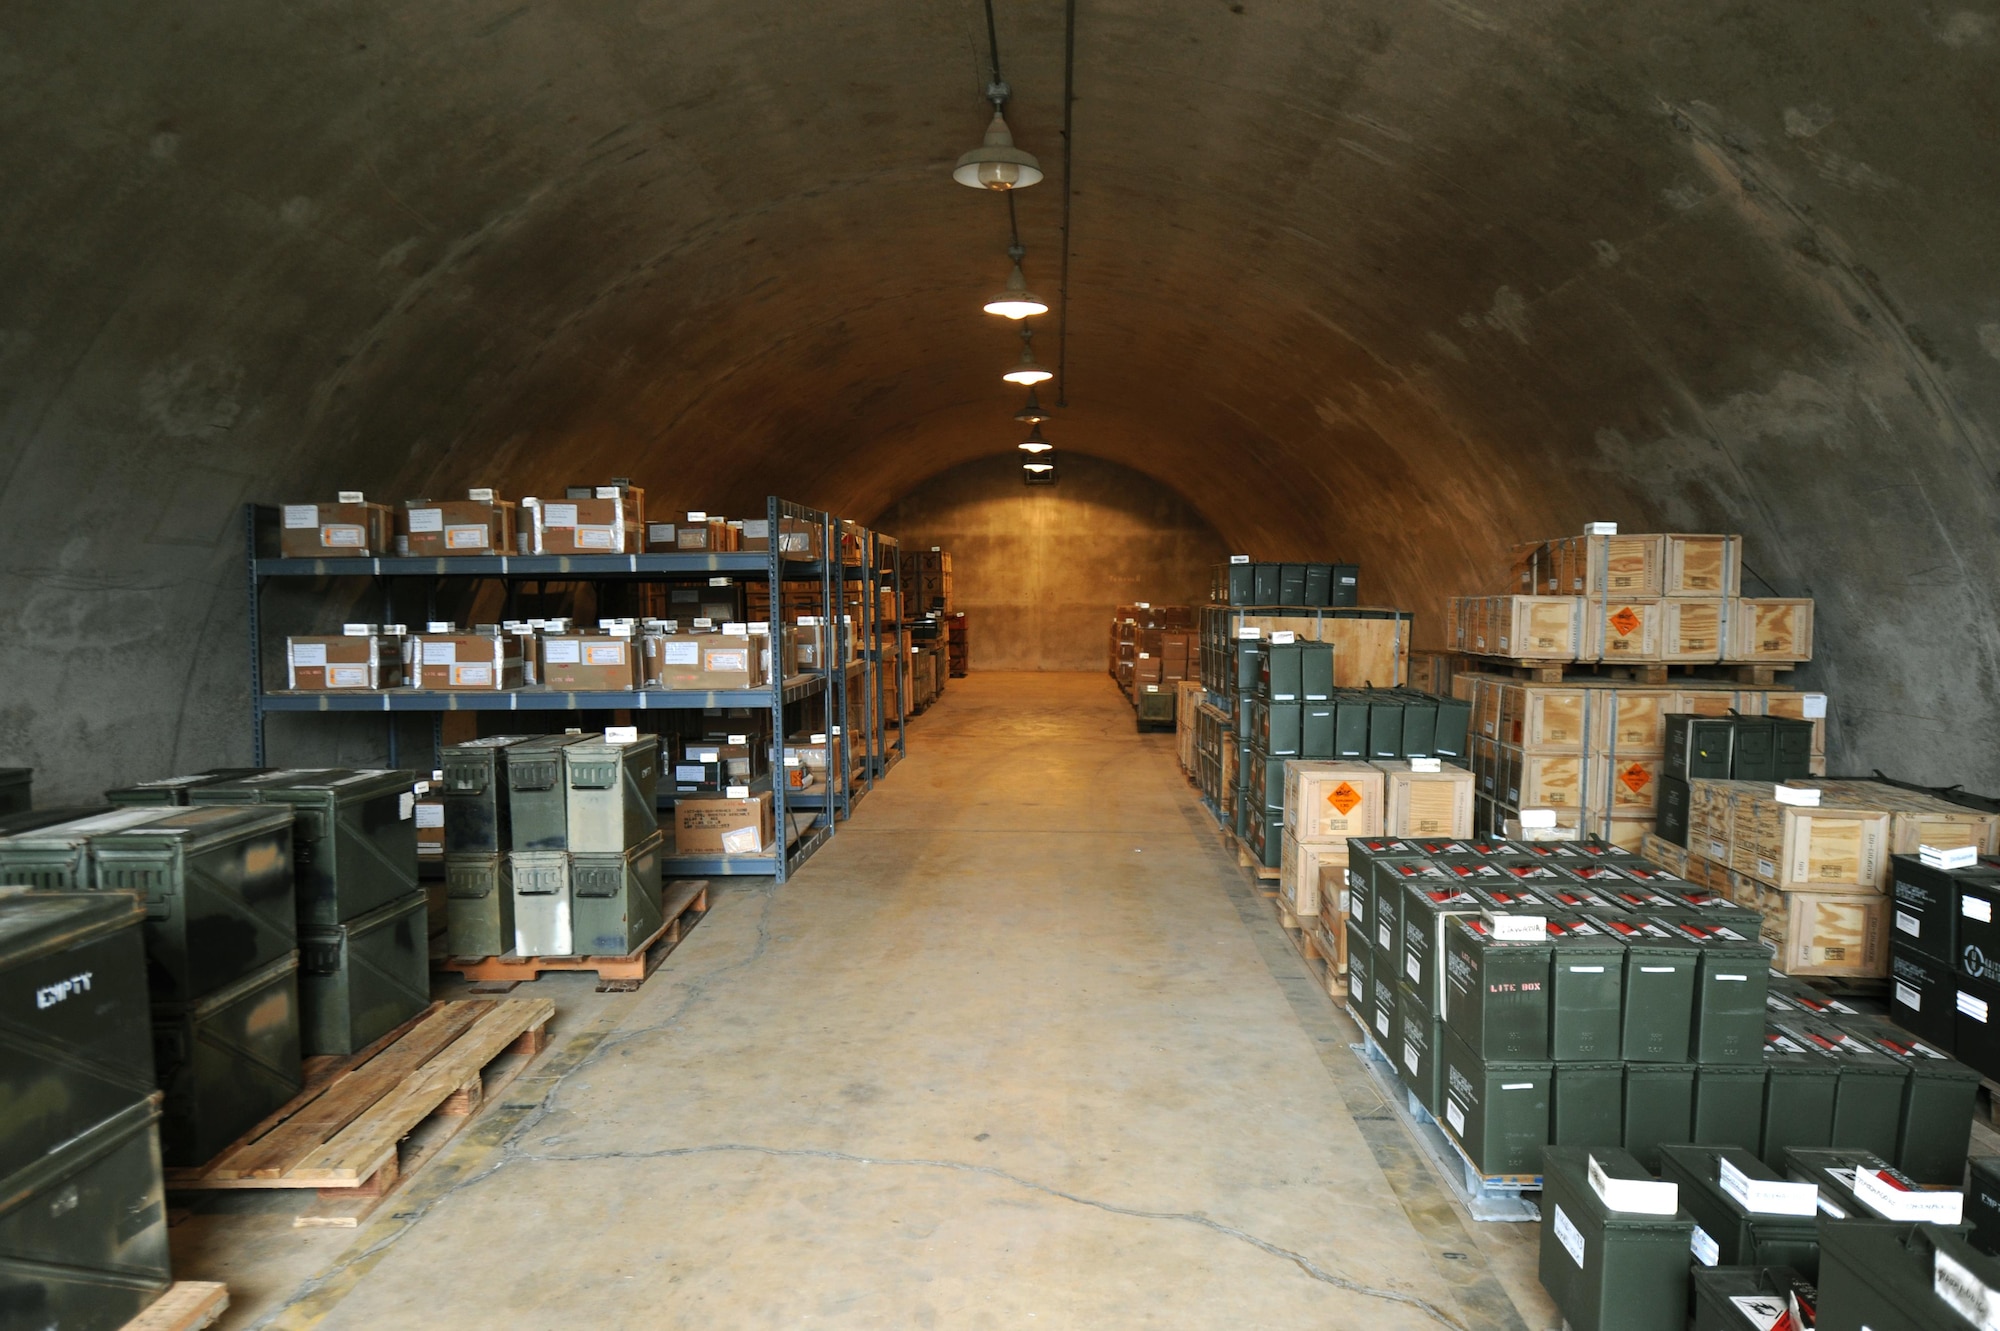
777 570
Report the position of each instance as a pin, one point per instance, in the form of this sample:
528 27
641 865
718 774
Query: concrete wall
1038 571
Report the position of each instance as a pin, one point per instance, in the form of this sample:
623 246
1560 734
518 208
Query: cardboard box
601 520
1426 804
465 662
588 662
349 528
354 662
698 533
706 825
705 661
476 525
797 538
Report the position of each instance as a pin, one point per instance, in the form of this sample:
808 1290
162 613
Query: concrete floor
1019 1048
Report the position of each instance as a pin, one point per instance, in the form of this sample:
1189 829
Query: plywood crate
1625 785
1299 872
1827 933
1426 804
1601 566
1770 629
1487 700
1331 801
1693 629
1541 780
1624 833
1331 922
1701 566
1622 630
1368 652
1665 853
1823 849
1186 706
1534 628
1544 718
1915 819
1630 720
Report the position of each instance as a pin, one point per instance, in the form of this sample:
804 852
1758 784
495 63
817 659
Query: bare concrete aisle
1019 1049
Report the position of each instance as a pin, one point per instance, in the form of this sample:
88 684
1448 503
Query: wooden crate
1622 630
1625 786
1630 720
1331 801
1702 566
1368 652
1533 628
1541 780
1823 849
1665 853
1426 804
1915 819
1607 566
1693 629
1299 873
1545 718
1186 713
1827 933
1770 629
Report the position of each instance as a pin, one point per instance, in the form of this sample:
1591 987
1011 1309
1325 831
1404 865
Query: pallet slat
188 1305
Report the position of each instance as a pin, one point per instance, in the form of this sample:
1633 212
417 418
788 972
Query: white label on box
1427 764
1705 1249
1382 934
1239 559
621 734
561 651
406 804
343 535
440 653
1454 1116
465 538
300 516
1718 851
1382 1022
1600 529
1762 1311
480 496
604 653
1412 965
1893 1199
1638 1196
1249 632
1964 1292
1518 928
558 515
661 533
430 814
426 519
745 739
741 631
308 653
357 630
350 497
1974 1008
1410 1057
1279 637
347 677
597 538
697 517
1799 796
1767 868
1767 1196
742 841
1949 857
718 582
1908 997
1586 970
738 792
1517 1086
1538 818
1567 1234
1813 706
477 675
1976 908
1347 579
1144 657
1909 924
680 653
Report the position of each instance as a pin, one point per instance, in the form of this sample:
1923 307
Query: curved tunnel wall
1405 283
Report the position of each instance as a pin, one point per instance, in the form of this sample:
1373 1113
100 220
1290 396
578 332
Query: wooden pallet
340 1136
1751 674
188 1305
1247 859
686 903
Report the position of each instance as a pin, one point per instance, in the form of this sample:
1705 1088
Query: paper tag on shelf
351 497
480 496
358 630
1239 559
739 739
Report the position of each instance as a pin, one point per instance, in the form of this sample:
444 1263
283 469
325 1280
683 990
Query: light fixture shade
1032 414
1038 473
1027 370
997 163
1034 443
1016 301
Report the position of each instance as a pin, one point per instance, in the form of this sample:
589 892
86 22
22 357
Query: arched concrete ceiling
1407 281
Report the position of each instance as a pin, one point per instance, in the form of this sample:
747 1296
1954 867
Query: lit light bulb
996 163
1034 443
1026 370
1038 467
1016 301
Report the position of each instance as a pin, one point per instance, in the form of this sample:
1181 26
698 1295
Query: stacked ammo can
584 840
83 1221
221 944
1944 955
363 936
1573 994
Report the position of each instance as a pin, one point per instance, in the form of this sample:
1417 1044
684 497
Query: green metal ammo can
479 905
1725 1189
360 980
1799 1089
612 786
1609 1270
1730 983
1659 1107
1660 971
1496 1110
615 898
475 795
1417 1055
1586 991
1425 910
542 922
1497 993
537 799
1932 1142
1742 1298
354 841
1587 1106
226 1060
1729 1105
1868 1098
1884 1276
57 856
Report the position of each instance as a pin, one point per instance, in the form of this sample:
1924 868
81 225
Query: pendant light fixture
997 164
1034 443
1032 414
1015 301
1027 370
1038 473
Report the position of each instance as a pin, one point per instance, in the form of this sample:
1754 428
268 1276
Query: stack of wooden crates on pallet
1187 723
1328 802
1648 599
927 581
1594 750
1820 875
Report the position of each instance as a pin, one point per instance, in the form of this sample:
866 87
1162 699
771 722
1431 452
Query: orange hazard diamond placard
1625 621
1344 797
1635 777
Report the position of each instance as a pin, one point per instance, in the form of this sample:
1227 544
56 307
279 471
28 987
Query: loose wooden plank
348 1095
361 1147
186 1306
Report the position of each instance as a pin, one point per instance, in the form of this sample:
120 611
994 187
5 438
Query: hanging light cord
994 94
1062 284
